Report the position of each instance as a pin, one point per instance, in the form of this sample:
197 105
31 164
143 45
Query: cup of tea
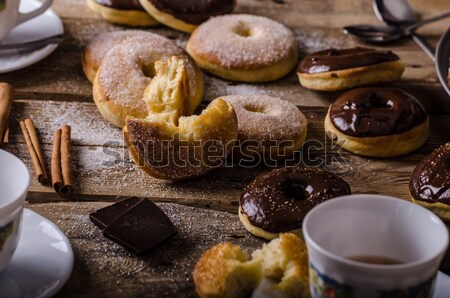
373 246
14 182
10 16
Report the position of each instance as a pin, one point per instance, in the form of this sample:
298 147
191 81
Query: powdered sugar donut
126 71
268 127
100 45
244 48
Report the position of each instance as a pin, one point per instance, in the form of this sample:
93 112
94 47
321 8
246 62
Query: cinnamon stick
6 99
32 140
61 162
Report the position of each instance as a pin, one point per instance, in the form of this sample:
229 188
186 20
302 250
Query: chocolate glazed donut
186 15
429 184
124 12
370 112
332 70
377 122
122 4
194 12
333 59
277 201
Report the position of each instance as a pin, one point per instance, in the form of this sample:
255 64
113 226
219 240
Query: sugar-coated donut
285 259
101 44
332 69
277 201
194 147
226 271
186 15
268 127
126 71
377 122
124 12
243 47
429 184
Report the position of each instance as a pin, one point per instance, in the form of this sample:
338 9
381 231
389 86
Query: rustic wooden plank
105 269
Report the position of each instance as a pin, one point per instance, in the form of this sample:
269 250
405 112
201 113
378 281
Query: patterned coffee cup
373 246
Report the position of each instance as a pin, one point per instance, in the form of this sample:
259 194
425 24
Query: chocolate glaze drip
430 180
371 112
194 11
122 4
277 201
333 59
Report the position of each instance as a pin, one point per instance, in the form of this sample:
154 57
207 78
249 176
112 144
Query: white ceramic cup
10 16
14 182
373 225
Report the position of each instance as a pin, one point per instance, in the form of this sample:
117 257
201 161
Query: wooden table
55 92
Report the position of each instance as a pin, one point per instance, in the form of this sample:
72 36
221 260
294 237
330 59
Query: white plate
442 289
45 25
442 59
42 262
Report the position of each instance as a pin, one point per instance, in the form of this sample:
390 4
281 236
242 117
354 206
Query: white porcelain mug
10 16
353 240
14 182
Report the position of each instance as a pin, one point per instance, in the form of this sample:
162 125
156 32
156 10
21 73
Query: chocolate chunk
141 227
103 217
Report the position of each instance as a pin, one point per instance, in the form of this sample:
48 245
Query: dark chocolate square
141 227
103 217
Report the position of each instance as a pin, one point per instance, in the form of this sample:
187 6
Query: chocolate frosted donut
125 12
333 69
429 184
277 201
121 4
186 15
378 122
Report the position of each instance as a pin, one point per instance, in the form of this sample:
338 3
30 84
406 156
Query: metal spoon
386 34
35 43
399 14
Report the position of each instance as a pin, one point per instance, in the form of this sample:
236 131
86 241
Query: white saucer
264 290
45 25
42 262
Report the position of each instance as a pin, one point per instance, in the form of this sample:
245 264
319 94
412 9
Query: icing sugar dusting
242 40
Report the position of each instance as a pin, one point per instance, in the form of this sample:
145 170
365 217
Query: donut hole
295 190
149 70
242 30
255 109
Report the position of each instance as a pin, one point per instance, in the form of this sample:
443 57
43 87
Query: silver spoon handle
413 27
35 43
424 45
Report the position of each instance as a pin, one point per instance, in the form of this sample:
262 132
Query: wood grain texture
105 269
54 92
104 171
